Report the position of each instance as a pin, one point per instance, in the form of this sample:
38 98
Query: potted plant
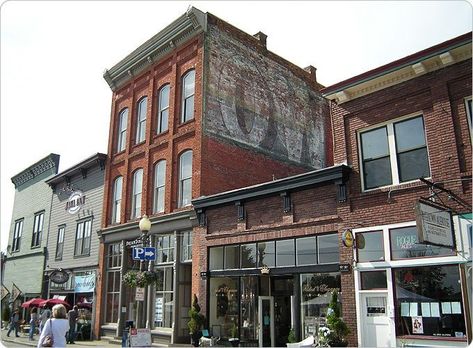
139 279
195 323
234 340
334 334
291 339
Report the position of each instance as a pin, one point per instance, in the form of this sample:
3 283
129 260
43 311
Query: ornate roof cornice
49 162
190 24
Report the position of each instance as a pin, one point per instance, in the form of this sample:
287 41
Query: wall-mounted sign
140 294
75 202
5 292
15 292
59 276
347 239
434 224
84 283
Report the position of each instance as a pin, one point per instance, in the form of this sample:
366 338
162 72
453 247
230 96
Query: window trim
122 131
159 125
184 97
61 228
37 235
392 150
141 122
134 200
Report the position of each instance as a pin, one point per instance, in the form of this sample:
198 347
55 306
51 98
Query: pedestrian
45 315
57 327
33 322
72 315
14 322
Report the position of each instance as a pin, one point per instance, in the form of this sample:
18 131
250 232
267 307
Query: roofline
399 64
89 162
325 175
39 167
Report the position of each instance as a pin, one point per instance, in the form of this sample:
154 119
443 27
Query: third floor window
185 179
188 87
136 194
141 120
122 124
117 200
163 112
37 229
159 186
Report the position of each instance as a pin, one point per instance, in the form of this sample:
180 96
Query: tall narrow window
83 237
117 200
17 235
136 194
188 88
185 179
163 112
37 230
122 124
186 246
165 247
60 242
141 120
159 186
376 161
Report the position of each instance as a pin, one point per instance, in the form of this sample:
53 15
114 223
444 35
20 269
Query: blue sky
53 54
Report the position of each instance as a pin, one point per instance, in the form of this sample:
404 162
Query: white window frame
162 127
83 238
37 229
122 127
186 246
141 111
184 178
159 187
117 200
60 242
392 150
136 194
17 232
185 96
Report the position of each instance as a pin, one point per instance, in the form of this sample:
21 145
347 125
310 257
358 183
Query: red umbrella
34 302
54 301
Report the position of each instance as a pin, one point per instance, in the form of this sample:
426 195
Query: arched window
141 120
185 179
136 194
163 111
159 186
122 124
188 87
117 200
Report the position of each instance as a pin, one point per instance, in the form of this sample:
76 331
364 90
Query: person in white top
58 325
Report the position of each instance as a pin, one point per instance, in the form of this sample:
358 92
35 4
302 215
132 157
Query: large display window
224 305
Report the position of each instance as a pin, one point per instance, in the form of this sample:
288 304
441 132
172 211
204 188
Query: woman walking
33 322
56 327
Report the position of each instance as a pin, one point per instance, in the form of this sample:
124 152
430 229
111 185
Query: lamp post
145 226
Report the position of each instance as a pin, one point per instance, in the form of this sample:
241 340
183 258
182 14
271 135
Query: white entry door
266 321
376 324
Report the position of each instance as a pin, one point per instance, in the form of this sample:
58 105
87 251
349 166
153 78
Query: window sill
432 338
81 256
416 184
182 124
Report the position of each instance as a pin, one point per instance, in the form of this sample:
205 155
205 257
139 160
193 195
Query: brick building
200 108
401 139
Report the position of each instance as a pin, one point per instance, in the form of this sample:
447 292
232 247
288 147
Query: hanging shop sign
434 224
15 292
59 276
5 292
75 202
347 238
84 283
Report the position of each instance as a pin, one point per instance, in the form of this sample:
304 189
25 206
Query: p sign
146 253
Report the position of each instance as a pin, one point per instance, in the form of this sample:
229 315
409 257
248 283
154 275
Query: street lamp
145 226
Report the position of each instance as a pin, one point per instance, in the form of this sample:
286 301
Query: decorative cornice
190 24
49 162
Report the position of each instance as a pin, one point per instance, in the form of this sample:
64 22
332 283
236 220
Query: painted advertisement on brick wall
255 101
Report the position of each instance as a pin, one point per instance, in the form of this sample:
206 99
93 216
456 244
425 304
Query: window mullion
393 154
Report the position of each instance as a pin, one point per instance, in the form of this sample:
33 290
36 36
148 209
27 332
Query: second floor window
83 233
163 112
136 194
117 200
165 249
37 230
60 242
185 179
188 87
159 186
141 120
122 124
394 153
17 235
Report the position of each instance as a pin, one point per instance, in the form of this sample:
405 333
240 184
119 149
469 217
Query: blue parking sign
144 253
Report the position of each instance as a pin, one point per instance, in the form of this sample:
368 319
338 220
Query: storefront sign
434 224
59 276
140 294
140 338
75 202
5 291
84 283
347 238
15 292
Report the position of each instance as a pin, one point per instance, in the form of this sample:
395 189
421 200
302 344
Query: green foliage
234 331
196 318
338 328
6 313
139 279
291 338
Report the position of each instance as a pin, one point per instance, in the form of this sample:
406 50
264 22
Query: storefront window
248 255
113 262
316 289
285 253
373 280
165 249
186 246
329 252
223 306
232 256
216 258
266 254
370 246
164 297
429 302
306 251
249 311
404 244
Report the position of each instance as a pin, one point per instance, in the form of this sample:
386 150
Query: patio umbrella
54 301
34 302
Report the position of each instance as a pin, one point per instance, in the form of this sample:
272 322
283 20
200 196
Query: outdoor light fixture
145 224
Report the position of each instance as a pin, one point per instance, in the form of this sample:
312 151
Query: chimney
261 37
312 72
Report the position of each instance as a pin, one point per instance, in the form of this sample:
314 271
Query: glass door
266 321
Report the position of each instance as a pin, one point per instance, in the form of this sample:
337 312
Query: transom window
141 120
165 248
159 186
394 153
117 199
60 242
185 179
370 246
136 194
186 246
163 112
17 235
122 125
188 87
83 232
37 229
